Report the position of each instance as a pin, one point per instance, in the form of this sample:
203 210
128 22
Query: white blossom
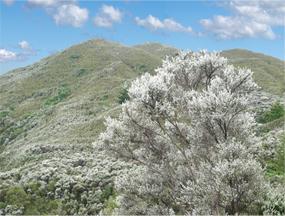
189 130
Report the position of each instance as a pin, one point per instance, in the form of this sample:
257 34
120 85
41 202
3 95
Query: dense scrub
275 112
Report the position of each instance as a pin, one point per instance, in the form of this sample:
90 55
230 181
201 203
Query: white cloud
70 14
64 12
226 27
8 2
42 3
250 19
153 23
264 11
107 16
24 45
6 55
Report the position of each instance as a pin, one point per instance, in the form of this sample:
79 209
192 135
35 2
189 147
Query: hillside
52 111
268 71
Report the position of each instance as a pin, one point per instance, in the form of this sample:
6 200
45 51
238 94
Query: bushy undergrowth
276 165
71 184
63 93
275 112
124 96
29 200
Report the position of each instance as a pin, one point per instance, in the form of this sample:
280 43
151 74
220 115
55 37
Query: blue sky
33 29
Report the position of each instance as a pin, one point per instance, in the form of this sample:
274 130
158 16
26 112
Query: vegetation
80 72
268 71
124 96
276 111
276 165
62 94
3 114
191 134
22 200
53 110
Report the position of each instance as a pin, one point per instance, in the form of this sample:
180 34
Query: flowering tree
189 132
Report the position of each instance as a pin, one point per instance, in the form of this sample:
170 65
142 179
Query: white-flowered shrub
190 133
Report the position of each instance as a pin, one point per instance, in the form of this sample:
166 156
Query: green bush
107 192
34 201
17 196
74 57
3 114
276 166
80 72
276 111
124 96
63 93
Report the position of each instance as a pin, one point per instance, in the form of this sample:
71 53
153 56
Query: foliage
3 114
124 96
273 125
191 134
276 165
74 57
275 202
63 93
10 129
276 111
17 200
80 72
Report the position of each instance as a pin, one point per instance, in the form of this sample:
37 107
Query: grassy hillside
52 111
65 97
268 71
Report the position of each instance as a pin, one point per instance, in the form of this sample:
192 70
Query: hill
52 111
268 71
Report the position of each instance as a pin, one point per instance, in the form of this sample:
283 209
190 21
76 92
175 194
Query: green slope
65 97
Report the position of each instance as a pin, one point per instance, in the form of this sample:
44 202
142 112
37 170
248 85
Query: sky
33 29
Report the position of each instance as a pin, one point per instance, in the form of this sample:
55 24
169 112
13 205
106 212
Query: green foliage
3 114
80 72
276 111
278 123
107 192
11 131
108 197
74 57
63 93
51 185
276 166
124 96
104 97
110 205
31 198
17 196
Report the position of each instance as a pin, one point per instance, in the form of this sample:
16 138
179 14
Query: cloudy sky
33 29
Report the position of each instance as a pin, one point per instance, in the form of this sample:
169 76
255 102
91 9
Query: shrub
276 165
189 134
17 196
30 199
63 93
3 114
80 72
124 96
276 111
